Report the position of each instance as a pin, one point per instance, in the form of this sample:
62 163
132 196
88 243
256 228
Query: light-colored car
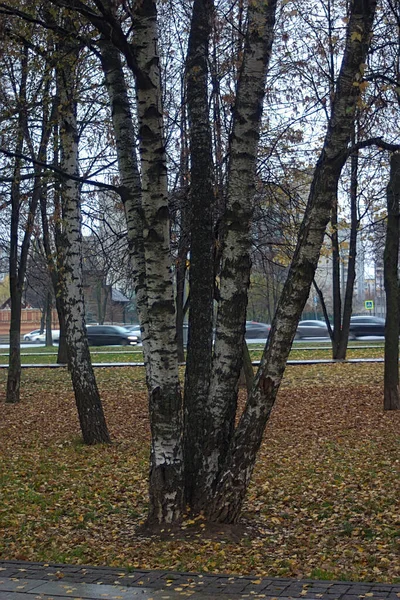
135 330
36 337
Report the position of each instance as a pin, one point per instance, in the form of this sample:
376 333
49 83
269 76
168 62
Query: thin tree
391 278
18 264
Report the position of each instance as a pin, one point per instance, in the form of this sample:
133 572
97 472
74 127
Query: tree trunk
180 298
351 264
131 191
150 251
18 266
235 475
62 356
165 402
90 410
235 268
184 232
391 254
49 307
336 292
324 309
14 364
197 413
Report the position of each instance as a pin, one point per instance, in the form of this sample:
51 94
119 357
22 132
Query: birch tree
235 474
90 411
209 460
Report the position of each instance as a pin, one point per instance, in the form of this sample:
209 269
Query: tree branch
56 170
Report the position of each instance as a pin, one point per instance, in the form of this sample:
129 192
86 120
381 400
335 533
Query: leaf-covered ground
324 502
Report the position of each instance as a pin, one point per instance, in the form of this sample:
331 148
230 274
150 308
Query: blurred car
311 328
36 337
134 330
257 331
110 335
361 325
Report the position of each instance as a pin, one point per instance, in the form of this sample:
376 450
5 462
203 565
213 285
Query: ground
323 502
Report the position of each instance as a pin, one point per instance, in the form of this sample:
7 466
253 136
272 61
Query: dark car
361 325
110 335
257 331
311 328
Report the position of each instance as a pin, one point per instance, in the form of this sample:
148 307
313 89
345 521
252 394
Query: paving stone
320 595
169 584
276 590
21 596
19 585
90 591
8 572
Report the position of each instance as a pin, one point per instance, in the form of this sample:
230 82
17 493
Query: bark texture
197 413
90 410
157 302
165 402
236 473
391 259
131 192
235 267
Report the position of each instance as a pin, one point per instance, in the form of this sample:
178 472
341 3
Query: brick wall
30 320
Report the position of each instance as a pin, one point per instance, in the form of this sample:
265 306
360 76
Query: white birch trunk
235 477
166 469
131 191
90 411
235 272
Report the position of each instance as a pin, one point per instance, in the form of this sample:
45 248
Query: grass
301 350
323 502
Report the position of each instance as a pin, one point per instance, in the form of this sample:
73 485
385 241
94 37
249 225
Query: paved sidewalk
40 581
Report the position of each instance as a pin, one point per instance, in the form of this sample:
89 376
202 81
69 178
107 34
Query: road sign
369 304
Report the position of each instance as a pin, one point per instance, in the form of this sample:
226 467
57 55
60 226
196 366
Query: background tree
391 260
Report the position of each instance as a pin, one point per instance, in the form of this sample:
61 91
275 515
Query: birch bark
90 410
235 268
165 402
131 192
236 473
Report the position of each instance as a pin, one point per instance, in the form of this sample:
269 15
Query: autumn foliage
323 502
